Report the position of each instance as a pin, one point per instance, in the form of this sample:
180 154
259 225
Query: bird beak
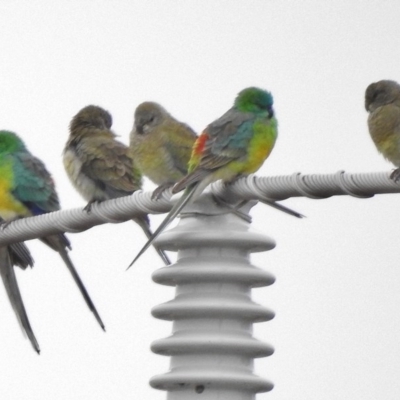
139 129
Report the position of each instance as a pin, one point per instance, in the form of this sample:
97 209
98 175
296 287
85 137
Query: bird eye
375 95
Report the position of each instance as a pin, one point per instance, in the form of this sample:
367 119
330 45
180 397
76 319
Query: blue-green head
10 142
255 100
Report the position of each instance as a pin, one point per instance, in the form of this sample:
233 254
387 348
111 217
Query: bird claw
4 224
88 207
233 209
157 193
395 175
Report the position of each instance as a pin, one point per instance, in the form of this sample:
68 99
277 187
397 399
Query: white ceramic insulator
212 349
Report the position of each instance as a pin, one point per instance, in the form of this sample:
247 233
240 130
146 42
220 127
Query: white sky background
337 296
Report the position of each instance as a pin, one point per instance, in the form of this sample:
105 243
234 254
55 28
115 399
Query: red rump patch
200 144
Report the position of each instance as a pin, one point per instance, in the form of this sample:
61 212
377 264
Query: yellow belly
10 208
259 149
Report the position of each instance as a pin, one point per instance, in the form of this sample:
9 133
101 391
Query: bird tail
176 209
144 224
14 295
205 178
57 242
198 175
20 255
282 208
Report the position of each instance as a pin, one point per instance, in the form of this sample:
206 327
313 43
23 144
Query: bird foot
160 190
234 209
395 175
4 224
88 207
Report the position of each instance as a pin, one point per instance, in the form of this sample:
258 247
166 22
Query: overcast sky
336 298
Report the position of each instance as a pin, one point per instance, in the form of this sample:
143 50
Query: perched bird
27 189
160 146
17 254
382 101
100 167
234 145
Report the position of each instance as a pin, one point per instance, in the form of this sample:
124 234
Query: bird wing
227 139
33 184
109 165
223 141
179 142
34 187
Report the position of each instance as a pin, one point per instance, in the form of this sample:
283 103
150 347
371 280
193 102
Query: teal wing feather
33 184
229 138
34 187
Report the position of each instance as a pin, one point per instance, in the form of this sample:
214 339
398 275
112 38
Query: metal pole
211 347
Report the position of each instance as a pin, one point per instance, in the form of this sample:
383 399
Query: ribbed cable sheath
315 186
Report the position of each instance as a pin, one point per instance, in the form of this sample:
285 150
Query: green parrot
27 189
100 167
17 254
160 146
382 101
234 145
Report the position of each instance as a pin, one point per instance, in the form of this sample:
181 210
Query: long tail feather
20 255
143 223
176 209
64 255
59 244
14 295
282 208
236 209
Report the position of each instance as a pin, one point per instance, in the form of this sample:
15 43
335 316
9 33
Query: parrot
99 166
161 148
160 145
17 254
27 189
234 145
382 101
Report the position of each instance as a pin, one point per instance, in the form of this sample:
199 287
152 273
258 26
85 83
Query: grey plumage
160 145
99 166
382 101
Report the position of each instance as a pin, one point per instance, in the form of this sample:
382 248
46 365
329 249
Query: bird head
10 142
380 93
91 116
147 116
255 100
